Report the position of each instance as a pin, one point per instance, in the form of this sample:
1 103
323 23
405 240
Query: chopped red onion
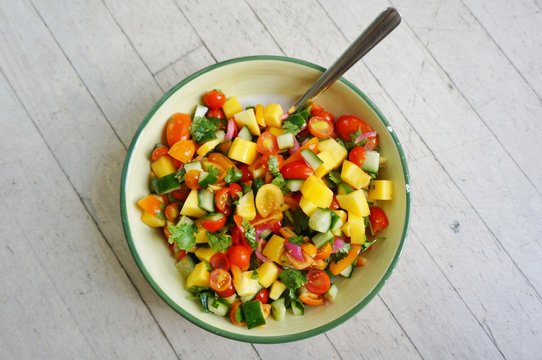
338 244
284 116
296 146
230 130
365 136
294 250
260 256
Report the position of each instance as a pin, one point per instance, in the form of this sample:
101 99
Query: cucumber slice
331 294
167 184
194 165
372 161
253 311
344 188
320 220
297 307
185 266
206 200
311 159
153 187
286 141
200 111
185 220
348 271
319 240
336 222
294 184
204 180
230 299
278 309
244 133
218 307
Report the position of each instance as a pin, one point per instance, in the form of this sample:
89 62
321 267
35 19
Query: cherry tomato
226 211
324 251
377 219
213 222
239 255
220 280
346 125
220 261
228 292
236 236
316 109
214 99
292 200
235 190
159 151
262 296
222 199
296 170
327 115
191 179
246 173
312 145
215 113
221 160
311 299
181 194
183 150
267 144
357 155
178 128
236 314
272 222
318 282
265 161
320 127
172 212
334 204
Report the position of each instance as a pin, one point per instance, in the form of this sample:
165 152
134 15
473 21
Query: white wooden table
460 80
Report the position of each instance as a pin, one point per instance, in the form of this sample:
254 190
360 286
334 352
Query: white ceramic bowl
263 79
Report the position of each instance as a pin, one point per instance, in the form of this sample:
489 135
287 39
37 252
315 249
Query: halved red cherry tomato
236 236
357 155
334 204
235 191
239 255
220 280
296 170
181 194
318 282
316 109
236 314
311 299
159 151
215 113
327 115
377 219
220 261
213 222
172 212
320 127
246 173
228 292
267 144
178 128
222 199
262 296
214 99
346 125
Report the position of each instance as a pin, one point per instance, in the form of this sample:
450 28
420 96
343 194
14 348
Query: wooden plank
63 294
157 30
88 149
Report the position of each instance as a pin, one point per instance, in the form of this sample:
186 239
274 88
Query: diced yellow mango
272 115
277 289
346 229
355 203
152 220
247 118
341 214
381 190
276 131
208 146
163 166
338 153
258 111
274 248
191 206
246 208
307 206
199 276
354 176
357 229
316 191
204 253
246 284
232 107
243 151
327 165
201 235
268 272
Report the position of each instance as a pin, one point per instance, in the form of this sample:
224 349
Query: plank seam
178 59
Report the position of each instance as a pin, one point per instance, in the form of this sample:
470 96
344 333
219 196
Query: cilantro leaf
273 165
293 278
203 129
184 235
335 177
336 256
368 244
294 123
250 234
301 222
305 113
297 240
281 183
233 175
218 241
210 179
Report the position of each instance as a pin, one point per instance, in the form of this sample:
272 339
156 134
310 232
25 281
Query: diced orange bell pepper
312 145
183 150
337 267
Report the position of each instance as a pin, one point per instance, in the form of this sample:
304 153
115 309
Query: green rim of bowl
194 319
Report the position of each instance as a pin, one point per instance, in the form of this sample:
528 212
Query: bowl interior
262 80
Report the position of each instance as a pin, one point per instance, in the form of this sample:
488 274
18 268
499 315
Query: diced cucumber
278 309
244 133
154 185
286 141
247 298
258 173
294 184
320 239
185 266
167 184
194 165
311 159
257 184
230 299
205 180
320 220
253 311
200 111
336 222
185 220
297 307
218 307
372 161
331 294
348 271
344 188
206 200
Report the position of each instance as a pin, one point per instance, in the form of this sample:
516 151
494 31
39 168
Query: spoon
378 30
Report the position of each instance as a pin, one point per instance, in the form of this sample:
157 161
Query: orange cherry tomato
312 145
320 127
310 249
191 179
220 159
214 99
337 267
178 128
159 151
183 150
318 282
172 212
267 144
324 251
357 155
236 314
311 299
220 280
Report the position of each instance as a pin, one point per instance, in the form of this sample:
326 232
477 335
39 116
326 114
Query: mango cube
204 253
327 165
232 107
246 284
346 229
381 190
274 248
152 220
316 191
201 235
243 151
307 206
191 206
199 276
357 229
258 111
247 118
211 144
355 203
246 208
272 115
268 272
277 289
338 153
163 166
354 176
276 131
